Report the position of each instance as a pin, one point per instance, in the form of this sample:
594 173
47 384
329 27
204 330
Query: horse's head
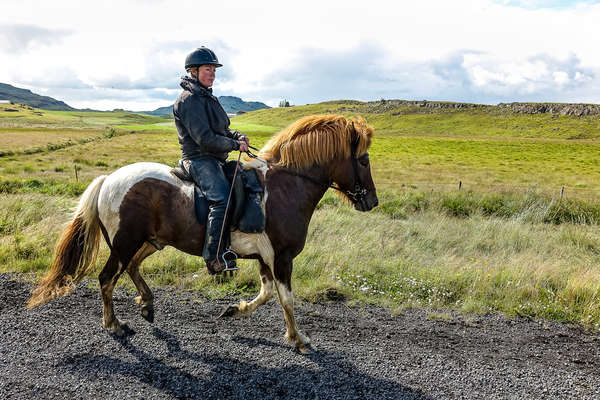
333 143
352 174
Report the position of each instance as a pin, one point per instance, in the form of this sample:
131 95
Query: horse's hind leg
283 282
266 292
145 299
108 279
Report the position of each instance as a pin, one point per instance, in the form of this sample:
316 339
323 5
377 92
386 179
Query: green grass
33 118
489 164
507 241
486 149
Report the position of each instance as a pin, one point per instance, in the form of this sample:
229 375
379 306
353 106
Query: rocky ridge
576 109
384 105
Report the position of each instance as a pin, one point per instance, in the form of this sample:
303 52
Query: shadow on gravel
209 375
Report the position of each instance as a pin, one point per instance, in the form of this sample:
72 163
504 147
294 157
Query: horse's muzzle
368 202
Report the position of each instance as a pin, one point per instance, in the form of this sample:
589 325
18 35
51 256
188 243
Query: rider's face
206 75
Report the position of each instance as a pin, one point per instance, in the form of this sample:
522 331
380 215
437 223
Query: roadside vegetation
480 210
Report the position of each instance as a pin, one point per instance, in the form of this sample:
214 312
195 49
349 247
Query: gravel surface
61 351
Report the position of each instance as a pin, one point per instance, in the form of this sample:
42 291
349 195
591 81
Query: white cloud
17 38
84 52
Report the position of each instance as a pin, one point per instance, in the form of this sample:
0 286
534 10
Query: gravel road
61 351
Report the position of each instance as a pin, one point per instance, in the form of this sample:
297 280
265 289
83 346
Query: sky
130 53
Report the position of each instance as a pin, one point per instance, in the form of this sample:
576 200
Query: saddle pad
245 211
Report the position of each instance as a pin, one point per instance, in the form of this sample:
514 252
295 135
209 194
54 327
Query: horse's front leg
266 292
283 282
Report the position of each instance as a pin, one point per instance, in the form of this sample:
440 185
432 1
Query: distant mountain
231 105
160 112
24 96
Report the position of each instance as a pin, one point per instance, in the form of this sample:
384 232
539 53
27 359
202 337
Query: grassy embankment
506 241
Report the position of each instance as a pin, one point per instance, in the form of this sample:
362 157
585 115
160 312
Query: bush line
530 207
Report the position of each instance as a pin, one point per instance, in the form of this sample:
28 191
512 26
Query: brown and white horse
140 208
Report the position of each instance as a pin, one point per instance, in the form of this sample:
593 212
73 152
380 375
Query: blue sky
129 53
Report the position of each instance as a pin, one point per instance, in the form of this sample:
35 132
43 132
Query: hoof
301 341
230 311
305 349
148 313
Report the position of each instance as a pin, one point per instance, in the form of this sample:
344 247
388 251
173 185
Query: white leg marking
292 334
266 292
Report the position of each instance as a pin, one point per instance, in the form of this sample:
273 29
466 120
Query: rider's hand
243 145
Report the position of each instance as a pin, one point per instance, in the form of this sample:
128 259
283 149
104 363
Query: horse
143 207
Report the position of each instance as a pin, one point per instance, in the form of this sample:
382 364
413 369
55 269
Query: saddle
245 208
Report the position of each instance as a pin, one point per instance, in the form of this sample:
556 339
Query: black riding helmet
201 56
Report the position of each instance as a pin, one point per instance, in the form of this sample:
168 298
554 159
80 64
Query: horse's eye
364 159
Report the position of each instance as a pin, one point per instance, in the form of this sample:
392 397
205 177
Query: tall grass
46 186
518 264
418 253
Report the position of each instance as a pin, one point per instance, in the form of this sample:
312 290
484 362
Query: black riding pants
209 176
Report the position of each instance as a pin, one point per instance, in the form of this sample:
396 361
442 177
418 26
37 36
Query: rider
206 140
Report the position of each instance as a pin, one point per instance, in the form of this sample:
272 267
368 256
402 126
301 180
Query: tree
284 103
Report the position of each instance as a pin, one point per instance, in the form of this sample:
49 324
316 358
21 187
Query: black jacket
202 124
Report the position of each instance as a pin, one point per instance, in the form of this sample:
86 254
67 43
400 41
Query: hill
27 97
427 118
231 105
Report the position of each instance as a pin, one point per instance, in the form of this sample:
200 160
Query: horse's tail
76 249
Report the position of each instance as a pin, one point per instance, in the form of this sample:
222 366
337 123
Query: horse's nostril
376 203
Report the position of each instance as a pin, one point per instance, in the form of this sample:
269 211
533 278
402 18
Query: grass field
507 241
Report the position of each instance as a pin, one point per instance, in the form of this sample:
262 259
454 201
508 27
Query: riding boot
208 175
214 225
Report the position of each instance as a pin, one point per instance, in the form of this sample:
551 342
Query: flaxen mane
316 139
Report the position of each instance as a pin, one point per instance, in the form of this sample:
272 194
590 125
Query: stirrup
229 258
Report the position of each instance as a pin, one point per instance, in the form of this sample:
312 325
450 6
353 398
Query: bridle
357 195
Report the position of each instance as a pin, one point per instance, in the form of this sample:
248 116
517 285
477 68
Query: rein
290 172
227 267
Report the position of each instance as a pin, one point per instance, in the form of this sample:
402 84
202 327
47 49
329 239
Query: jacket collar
192 85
